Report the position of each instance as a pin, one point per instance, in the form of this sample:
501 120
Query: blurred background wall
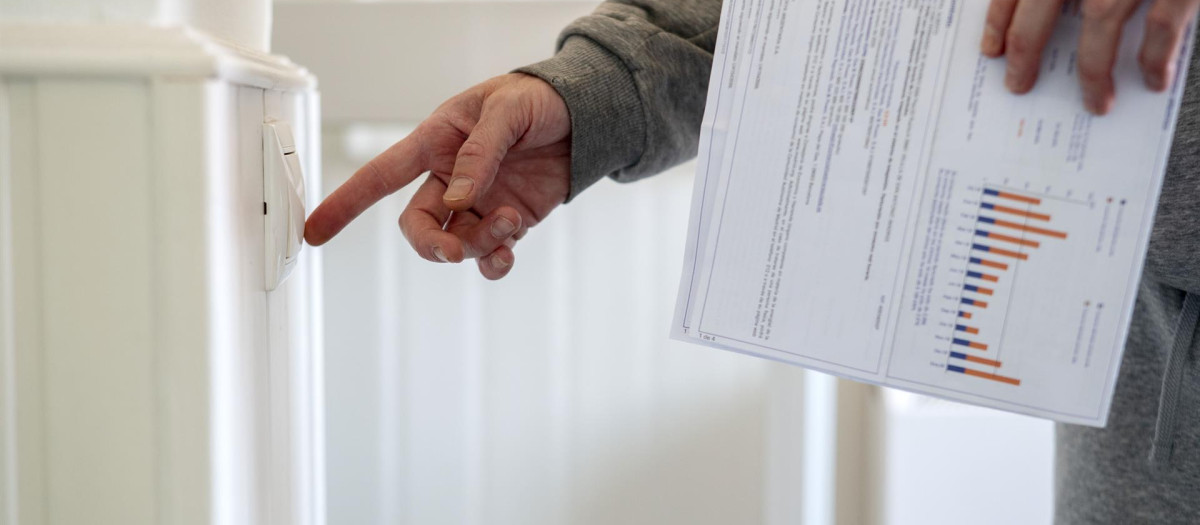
555 395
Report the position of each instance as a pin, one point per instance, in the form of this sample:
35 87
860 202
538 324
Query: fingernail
1011 80
1097 105
499 263
1156 81
459 188
441 256
502 228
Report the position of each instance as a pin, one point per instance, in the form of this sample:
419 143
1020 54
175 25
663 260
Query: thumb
499 127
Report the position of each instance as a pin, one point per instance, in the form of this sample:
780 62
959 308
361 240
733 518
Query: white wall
79 10
946 463
246 22
553 396
146 376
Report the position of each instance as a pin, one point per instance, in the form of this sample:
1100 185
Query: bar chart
1005 297
1009 228
930 231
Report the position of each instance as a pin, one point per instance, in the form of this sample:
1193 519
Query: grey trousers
1106 475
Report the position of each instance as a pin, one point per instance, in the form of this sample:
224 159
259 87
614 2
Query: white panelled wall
146 375
553 396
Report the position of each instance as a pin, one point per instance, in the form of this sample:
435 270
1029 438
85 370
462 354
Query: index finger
1032 25
391 170
1099 42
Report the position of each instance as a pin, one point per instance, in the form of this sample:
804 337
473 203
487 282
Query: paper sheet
871 202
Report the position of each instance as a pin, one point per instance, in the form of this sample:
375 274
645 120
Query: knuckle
1100 9
508 99
376 177
1001 9
1152 63
407 217
474 149
1093 74
420 140
1160 20
478 240
1021 43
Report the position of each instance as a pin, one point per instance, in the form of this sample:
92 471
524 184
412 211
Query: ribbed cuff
608 129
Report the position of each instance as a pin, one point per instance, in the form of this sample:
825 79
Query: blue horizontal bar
969 301
958 355
962 342
987 220
980 247
958 369
960 328
962 314
987 206
982 233
976 260
991 192
974 275
970 288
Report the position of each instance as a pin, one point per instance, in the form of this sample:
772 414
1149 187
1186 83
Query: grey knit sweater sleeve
634 75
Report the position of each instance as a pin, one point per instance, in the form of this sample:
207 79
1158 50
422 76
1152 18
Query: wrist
607 125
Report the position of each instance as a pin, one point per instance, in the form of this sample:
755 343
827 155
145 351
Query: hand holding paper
872 202
1020 30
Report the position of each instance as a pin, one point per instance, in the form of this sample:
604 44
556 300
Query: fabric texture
1144 467
635 75
1106 475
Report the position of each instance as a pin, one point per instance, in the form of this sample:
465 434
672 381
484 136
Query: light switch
283 202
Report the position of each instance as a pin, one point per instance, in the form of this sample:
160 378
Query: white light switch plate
283 202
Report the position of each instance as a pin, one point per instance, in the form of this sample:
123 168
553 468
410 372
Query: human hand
499 161
1020 29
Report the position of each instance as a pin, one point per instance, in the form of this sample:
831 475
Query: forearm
634 75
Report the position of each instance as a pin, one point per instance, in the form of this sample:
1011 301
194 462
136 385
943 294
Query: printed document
871 202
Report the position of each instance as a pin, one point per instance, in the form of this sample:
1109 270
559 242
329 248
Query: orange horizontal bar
1018 198
993 377
1014 240
977 346
965 315
991 278
1008 253
1023 213
984 291
982 361
1031 229
971 330
993 264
